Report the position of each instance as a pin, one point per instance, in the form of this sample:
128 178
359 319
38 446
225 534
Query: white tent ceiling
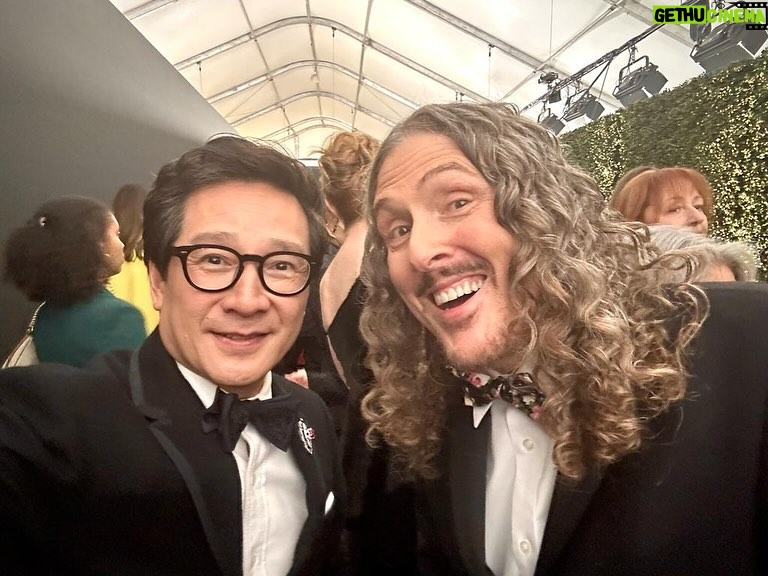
295 71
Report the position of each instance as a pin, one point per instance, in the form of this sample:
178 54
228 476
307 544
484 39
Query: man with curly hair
561 411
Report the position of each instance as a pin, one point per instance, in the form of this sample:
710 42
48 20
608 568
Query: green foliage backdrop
717 124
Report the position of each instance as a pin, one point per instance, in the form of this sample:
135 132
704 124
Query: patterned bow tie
517 389
273 418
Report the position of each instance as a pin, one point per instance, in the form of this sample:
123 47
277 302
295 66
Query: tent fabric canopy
296 71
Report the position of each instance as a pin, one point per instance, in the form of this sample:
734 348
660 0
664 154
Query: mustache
429 279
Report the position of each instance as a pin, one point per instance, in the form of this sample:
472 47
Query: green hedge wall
717 124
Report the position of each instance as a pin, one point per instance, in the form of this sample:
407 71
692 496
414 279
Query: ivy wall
717 124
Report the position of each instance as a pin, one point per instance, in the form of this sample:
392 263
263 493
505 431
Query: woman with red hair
678 196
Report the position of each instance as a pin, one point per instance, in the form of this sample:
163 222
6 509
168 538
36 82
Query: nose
248 296
430 244
696 218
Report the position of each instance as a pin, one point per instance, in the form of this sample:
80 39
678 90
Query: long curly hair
610 340
344 163
58 255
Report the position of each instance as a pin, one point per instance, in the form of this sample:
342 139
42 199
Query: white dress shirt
519 484
273 491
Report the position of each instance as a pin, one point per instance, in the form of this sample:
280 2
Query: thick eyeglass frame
183 253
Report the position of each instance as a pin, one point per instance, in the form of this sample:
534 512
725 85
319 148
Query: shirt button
525 547
528 444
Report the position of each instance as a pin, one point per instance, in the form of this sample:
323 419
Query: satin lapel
175 415
467 453
309 465
569 501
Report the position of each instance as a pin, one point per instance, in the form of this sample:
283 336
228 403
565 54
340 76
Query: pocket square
329 502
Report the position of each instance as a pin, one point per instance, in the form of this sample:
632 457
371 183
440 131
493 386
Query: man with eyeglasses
187 456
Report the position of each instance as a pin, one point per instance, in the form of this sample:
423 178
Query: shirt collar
479 412
206 390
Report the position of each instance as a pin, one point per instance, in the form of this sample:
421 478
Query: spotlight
640 84
582 104
549 78
551 122
728 43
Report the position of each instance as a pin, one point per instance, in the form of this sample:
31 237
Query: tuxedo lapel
175 413
302 450
569 502
468 452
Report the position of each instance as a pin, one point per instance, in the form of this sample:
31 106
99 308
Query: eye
398 231
457 204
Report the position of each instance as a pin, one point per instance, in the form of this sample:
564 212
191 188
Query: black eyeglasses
213 268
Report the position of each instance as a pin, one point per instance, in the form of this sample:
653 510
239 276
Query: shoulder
111 309
58 389
282 384
737 306
312 406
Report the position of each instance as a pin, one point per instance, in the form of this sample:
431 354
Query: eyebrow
226 238
447 167
386 204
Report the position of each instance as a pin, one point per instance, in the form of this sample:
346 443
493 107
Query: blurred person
380 528
715 261
187 456
561 411
677 196
344 164
64 257
132 282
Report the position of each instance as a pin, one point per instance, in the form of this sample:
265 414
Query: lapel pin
306 434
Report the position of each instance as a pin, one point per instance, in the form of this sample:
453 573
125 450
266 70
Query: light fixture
550 121
639 84
550 78
582 104
728 43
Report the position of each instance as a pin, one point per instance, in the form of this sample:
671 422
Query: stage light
550 78
551 122
728 43
554 96
582 104
639 84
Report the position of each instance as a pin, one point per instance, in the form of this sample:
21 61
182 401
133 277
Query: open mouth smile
457 294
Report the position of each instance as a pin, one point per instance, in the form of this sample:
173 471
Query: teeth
457 291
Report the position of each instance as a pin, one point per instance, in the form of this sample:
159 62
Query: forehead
418 158
244 213
679 188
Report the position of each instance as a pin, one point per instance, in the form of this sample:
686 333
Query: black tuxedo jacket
107 470
693 501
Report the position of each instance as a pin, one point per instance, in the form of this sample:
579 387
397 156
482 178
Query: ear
156 286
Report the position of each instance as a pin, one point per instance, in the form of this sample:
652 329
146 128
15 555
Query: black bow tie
274 418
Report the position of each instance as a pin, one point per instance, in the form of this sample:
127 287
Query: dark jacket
107 470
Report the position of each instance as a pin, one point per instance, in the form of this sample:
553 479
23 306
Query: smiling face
448 257
681 206
234 337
